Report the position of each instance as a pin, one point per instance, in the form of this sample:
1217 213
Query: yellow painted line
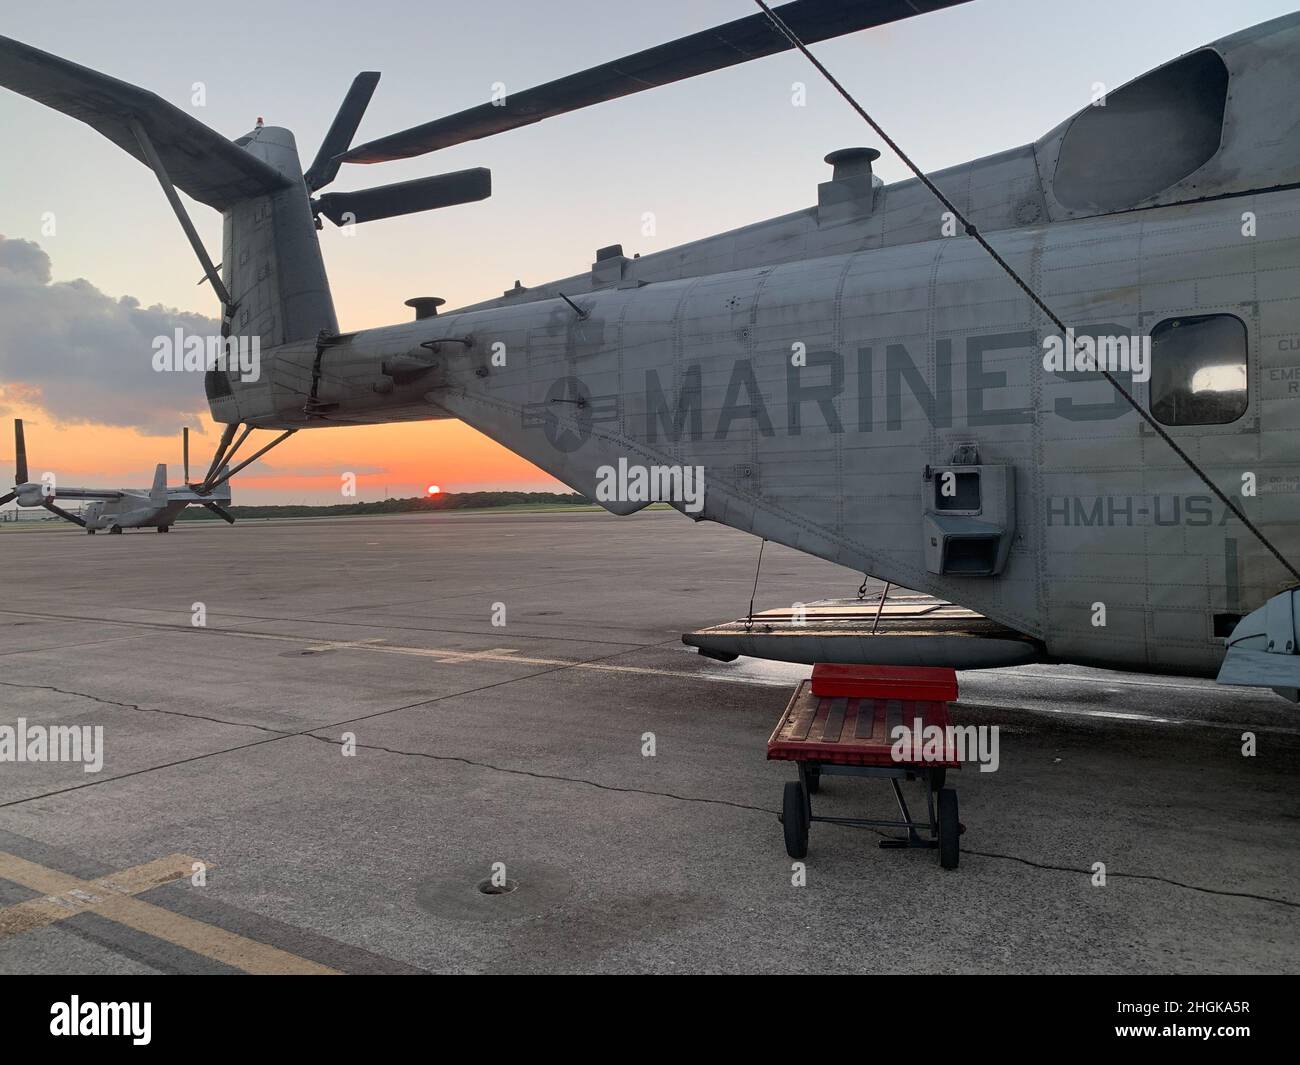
111 897
67 896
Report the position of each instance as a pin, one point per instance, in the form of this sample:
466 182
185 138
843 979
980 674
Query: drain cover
530 889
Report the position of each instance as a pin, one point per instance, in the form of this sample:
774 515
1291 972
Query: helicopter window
1198 370
1145 137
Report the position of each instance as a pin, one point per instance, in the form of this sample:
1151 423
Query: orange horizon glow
388 461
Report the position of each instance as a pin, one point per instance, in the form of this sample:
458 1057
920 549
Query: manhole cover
472 893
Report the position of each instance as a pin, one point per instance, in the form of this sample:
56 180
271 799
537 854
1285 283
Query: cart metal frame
933 778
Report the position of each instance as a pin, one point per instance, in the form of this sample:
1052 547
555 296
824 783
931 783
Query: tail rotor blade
63 513
325 166
20 453
406 197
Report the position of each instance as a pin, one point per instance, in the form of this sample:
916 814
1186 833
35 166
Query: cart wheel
794 818
814 778
937 778
949 829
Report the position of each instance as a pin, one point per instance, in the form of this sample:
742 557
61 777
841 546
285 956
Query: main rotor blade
219 511
63 513
325 166
723 46
406 197
7 497
20 453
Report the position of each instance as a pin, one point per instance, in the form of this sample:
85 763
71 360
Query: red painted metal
885 682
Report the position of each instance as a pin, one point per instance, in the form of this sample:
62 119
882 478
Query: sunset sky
705 156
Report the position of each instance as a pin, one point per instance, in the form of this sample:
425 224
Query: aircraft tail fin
274 270
158 493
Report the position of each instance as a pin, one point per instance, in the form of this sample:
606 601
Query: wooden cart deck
842 730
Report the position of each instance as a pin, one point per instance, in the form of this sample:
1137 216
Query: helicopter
875 379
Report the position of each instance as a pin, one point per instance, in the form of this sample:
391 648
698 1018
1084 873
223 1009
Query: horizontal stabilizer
199 161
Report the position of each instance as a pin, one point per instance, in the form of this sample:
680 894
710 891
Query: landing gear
164 528
90 532
116 530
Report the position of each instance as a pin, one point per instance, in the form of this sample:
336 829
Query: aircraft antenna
978 237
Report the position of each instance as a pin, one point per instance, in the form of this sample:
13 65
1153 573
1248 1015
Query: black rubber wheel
162 528
937 778
949 829
814 779
116 529
794 819
90 532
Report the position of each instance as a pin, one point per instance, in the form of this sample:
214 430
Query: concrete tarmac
327 773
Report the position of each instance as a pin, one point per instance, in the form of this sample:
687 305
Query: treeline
414 505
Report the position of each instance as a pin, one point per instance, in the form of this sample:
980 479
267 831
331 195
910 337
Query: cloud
86 357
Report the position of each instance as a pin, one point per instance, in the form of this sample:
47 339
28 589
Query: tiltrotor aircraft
115 509
862 379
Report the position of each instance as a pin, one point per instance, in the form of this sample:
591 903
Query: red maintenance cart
842 722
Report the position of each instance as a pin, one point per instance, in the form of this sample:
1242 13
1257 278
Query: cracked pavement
352 745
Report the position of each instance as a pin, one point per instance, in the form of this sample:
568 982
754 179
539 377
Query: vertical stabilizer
158 493
272 265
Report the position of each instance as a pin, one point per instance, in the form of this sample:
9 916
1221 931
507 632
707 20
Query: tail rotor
385 201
